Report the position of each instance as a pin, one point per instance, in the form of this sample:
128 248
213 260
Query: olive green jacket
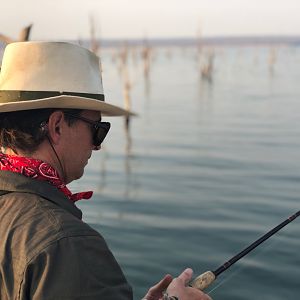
47 252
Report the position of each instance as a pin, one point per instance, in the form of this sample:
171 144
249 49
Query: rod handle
203 281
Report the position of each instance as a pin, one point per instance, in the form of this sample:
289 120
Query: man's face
78 146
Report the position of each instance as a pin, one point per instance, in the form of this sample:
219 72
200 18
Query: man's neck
40 155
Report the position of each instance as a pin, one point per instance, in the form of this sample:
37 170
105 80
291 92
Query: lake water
212 165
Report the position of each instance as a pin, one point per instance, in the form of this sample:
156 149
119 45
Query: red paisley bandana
39 170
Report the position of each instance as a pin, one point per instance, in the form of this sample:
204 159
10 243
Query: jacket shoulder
30 223
44 244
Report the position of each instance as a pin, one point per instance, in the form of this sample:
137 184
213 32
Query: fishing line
242 267
205 279
223 281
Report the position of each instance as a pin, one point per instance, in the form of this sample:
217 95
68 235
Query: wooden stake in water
23 36
205 279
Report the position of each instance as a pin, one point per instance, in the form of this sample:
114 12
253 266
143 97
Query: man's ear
55 126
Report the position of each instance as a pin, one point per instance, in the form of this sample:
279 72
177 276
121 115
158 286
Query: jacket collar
14 182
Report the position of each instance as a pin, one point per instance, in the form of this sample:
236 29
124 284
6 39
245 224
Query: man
51 102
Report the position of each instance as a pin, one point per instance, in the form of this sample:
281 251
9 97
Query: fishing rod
204 280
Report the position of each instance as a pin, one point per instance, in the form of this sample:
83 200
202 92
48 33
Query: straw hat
38 75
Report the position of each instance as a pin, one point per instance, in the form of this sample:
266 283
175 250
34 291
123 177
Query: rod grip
203 281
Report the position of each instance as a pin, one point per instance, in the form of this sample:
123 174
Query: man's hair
22 129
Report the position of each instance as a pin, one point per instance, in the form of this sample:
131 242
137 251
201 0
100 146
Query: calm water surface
212 166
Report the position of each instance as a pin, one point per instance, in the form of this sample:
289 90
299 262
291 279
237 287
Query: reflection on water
129 157
103 163
204 170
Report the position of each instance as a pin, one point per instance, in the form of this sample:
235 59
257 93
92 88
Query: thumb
186 276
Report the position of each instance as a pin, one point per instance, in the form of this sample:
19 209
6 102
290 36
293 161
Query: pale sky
69 19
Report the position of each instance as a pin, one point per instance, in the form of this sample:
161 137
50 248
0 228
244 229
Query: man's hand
179 288
176 287
156 292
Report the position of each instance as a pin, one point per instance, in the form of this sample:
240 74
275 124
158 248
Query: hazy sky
69 19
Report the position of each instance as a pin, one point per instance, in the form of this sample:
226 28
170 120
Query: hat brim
66 102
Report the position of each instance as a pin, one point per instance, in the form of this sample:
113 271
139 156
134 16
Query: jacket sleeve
80 267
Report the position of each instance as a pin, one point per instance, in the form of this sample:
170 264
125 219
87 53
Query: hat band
12 96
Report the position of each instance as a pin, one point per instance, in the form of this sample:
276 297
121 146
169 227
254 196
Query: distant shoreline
192 42
205 41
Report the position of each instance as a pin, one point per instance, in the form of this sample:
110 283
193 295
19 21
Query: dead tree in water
146 52
95 44
206 68
23 36
272 60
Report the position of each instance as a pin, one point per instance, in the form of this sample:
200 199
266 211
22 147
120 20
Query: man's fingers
164 283
156 291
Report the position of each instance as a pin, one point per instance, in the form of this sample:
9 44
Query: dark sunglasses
99 129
